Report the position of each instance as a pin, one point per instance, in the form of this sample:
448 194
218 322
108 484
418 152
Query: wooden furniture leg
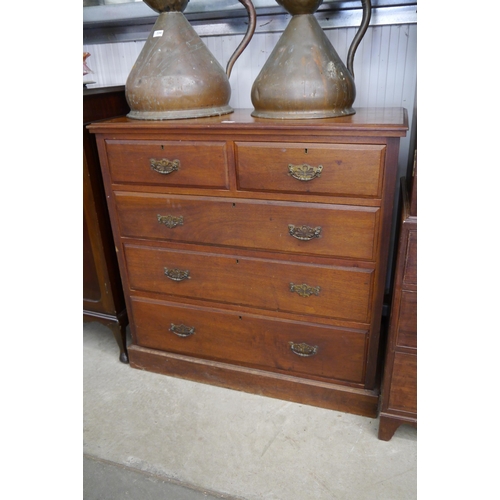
389 425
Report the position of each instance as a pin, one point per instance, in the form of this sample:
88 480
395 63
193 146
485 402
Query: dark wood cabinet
254 252
399 389
103 298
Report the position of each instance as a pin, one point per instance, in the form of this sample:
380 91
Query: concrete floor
151 437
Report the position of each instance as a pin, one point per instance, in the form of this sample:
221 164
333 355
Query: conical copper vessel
304 77
175 75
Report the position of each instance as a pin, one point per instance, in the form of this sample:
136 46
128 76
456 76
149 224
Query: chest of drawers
254 252
399 387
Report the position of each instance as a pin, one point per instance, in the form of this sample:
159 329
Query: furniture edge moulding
327 127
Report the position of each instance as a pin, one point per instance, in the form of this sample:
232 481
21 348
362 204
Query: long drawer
170 163
318 290
307 228
251 340
333 169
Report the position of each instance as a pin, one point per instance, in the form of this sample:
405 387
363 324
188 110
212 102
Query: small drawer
333 169
251 340
306 228
169 163
407 320
318 290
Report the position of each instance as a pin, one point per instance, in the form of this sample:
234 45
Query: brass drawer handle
303 349
304 233
164 166
177 274
305 290
304 172
170 221
182 330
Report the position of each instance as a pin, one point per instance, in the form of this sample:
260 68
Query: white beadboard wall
385 68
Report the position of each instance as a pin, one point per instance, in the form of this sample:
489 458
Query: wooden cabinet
399 392
254 252
103 298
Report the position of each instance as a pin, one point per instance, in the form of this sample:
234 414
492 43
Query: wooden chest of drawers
254 252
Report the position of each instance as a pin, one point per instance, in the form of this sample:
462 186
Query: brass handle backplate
305 290
182 330
304 233
303 349
164 166
177 274
304 172
170 221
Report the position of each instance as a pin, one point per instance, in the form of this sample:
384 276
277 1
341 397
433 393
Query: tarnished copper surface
167 5
304 77
175 75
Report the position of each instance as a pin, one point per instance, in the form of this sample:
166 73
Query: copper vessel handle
182 330
365 21
303 349
252 22
304 172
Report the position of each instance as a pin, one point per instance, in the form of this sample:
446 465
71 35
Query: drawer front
335 169
251 340
330 291
403 391
407 320
317 229
169 163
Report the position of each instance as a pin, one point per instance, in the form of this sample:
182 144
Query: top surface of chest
375 122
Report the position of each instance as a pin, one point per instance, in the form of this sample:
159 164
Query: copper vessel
175 75
304 77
